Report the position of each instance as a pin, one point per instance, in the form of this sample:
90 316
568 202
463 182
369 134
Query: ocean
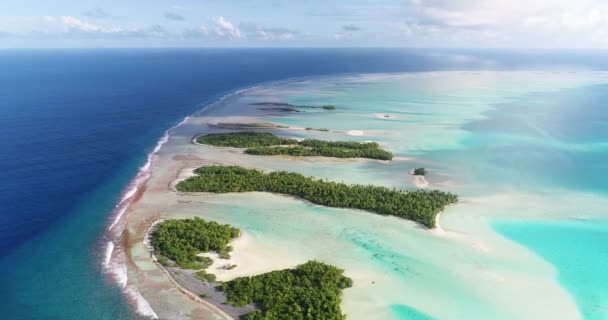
77 125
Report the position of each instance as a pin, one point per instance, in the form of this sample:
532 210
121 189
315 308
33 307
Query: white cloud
428 23
71 27
72 24
518 22
257 31
224 28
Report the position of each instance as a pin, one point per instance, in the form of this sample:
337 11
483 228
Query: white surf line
116 267
142 176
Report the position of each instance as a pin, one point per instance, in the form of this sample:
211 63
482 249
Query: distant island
320 129
312 290
419 206
288 107
264 143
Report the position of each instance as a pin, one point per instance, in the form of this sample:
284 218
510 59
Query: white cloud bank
516 22
422 23
216 28
224 28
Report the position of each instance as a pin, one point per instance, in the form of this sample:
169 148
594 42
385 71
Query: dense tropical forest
182 240
420 206
244 140
311 291
264 143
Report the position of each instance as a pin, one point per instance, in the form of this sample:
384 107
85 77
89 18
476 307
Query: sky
305 23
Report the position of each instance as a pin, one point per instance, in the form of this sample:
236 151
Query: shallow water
578 250
405 312
487 134
495 138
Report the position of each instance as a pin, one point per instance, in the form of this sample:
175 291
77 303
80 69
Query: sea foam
141 305
113 262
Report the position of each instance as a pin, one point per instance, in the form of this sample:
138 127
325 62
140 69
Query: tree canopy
182 240
264 143
243 139
419 205
419 171
311 291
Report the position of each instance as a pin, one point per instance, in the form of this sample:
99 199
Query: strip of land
288 107
419 206
264 143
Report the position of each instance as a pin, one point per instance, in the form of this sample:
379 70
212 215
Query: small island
179 243
247 125
264 143
320 129
419 205
312 290
420 172
288 107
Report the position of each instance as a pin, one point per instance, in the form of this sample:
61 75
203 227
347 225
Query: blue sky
305 23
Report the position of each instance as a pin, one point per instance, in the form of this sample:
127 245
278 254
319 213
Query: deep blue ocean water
76 125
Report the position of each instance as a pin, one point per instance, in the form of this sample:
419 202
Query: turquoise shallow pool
403 312
577 249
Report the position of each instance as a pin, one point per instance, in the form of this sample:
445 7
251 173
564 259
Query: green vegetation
263 143
281 109
163 261
309 292
204 276
225 252
292 106
335 152
244 139
419 172
420 206
182 240
248 125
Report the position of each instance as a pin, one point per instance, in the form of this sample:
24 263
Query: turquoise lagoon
538 136
526 152
578 250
